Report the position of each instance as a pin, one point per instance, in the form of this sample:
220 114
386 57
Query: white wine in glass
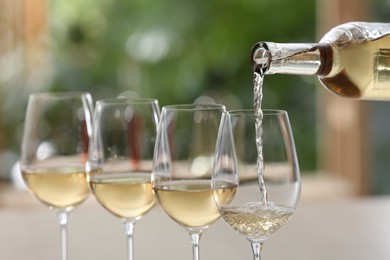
267 184
54 152
121 158
182 170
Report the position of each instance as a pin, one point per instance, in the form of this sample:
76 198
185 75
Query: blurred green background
176 51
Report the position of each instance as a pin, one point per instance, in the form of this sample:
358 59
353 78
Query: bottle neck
301 59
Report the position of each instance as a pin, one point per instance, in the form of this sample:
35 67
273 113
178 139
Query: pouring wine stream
258 97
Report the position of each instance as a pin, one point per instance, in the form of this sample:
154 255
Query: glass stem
195 237
256 249
129 227
63 219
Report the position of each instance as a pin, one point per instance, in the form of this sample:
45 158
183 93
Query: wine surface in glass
60 187
126 195
256 220
190 202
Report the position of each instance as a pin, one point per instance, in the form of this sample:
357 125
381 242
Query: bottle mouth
260 57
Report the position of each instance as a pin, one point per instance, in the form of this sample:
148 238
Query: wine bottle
352 60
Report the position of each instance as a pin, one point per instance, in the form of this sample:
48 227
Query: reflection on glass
265 197
54 152
182 170
120 161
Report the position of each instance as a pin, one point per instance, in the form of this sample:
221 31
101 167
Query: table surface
353 228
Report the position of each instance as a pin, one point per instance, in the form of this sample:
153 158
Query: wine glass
54 152
121 158
264 170
182 171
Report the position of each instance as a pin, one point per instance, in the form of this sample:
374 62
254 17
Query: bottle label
382 69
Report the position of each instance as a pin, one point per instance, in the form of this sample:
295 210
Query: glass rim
189 107
127 100
266 111
60 94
